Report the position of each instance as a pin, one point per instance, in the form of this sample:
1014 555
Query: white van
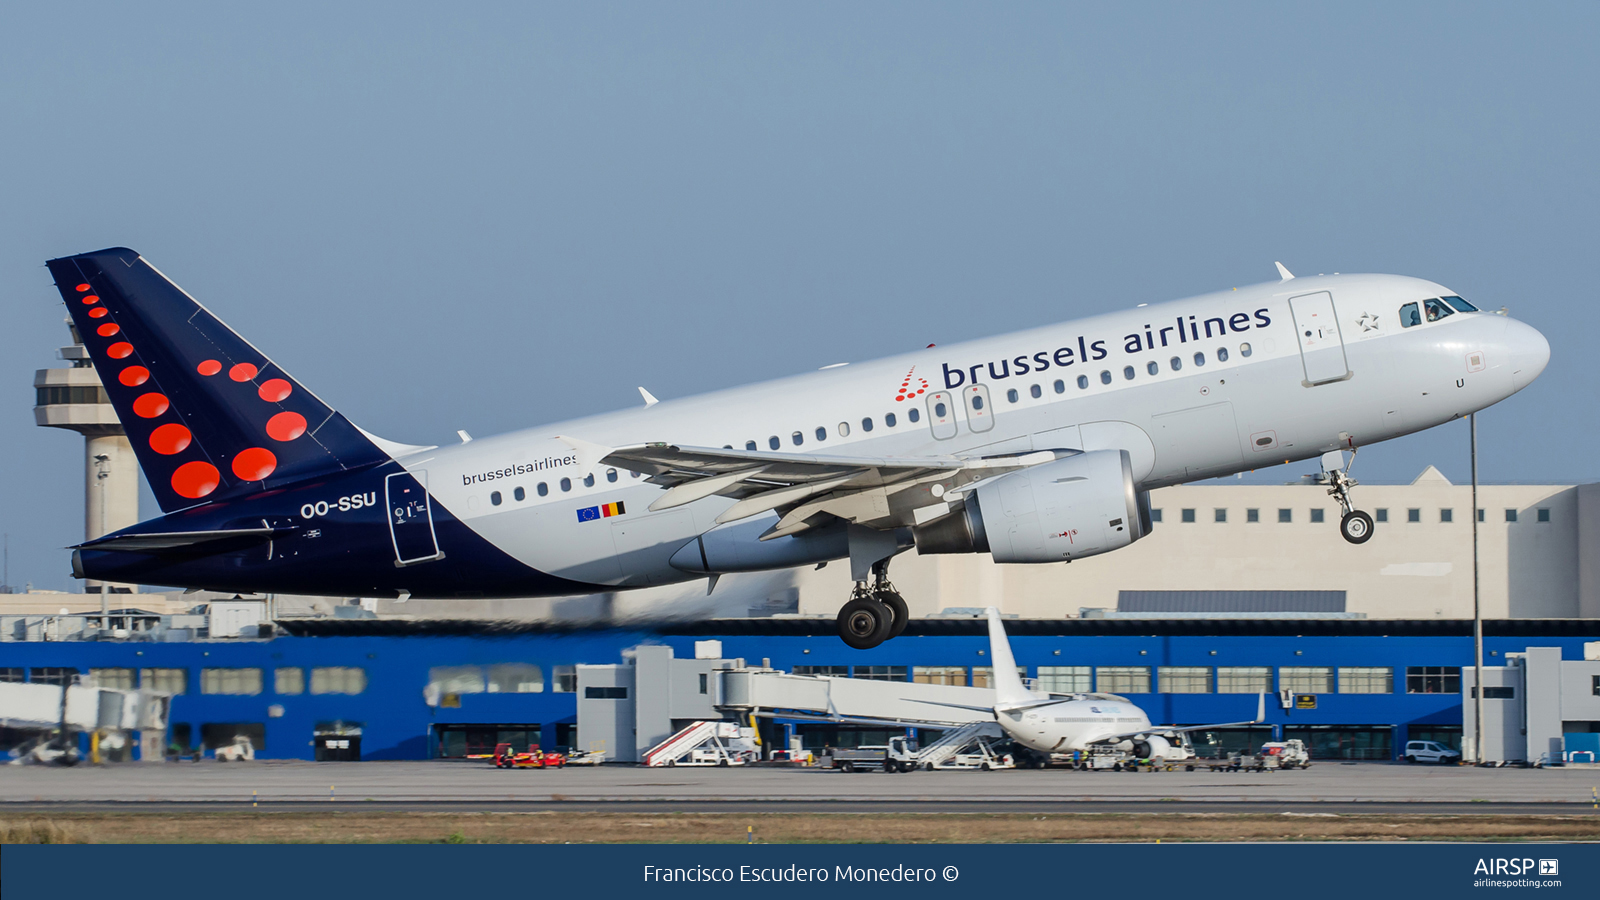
1431 751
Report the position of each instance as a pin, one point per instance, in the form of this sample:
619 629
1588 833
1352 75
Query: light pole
1477 607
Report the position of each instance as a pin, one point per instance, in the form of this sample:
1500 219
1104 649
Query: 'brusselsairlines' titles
549 462
1087 351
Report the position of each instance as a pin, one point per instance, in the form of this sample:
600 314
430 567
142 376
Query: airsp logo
1515 867
1549 867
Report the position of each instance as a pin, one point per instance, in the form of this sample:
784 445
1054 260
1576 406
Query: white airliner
1038 446
1055 723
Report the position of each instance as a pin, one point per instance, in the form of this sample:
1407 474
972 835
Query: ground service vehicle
1430 751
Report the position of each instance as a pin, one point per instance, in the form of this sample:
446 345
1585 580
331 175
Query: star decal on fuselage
1368 322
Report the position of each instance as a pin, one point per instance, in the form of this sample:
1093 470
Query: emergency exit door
411 518
1316 327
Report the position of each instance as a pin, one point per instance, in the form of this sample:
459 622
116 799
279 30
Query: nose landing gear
874 614
1355 525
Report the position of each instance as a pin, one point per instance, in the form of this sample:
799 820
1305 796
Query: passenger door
1321 346
411 518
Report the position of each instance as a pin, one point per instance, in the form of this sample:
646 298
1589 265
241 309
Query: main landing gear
874 614
1355 525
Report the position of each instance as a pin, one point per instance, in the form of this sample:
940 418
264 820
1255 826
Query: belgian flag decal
606 511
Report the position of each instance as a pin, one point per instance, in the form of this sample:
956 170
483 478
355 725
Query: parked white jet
1055 723
1034 447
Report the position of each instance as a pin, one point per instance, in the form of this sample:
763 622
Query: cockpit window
1437 309
1460 304
1410 315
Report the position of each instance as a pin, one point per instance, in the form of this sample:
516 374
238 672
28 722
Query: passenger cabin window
494 497
773 442
1083 382
1061 386
940 410
1410 315
1199 359
977 401
611 474
1153 367
566 484
888 420
520 494
544 489
1437 309
844 429
1244 350
1128 373
750 445
1035 392
866 424
1011 395
797 438
1222 354
822 433
588 480
1176 363
1460 304
1105 376
913 414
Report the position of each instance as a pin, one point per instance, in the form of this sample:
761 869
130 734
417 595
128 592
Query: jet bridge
769 693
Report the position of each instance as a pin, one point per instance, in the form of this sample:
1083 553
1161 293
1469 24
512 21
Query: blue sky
485 216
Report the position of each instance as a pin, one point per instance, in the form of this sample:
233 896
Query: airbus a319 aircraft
1038 446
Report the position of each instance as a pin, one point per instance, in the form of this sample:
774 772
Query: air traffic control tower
72 398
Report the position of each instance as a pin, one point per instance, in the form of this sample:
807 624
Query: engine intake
1079 506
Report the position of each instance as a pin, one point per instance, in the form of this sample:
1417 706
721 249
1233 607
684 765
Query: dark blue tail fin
210 417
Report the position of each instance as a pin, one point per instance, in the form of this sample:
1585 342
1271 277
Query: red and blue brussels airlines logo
911 386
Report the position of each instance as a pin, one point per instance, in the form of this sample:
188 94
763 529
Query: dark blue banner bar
667 870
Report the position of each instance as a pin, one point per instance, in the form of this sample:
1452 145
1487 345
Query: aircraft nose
1528 352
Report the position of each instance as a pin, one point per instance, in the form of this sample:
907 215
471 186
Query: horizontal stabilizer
175 540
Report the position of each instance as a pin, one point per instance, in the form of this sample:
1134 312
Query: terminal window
1188 515
882 673
1447 515
1285 515
605 693
1433 679
939 675
457 679
172 681
1597 685
116 679
289 680
1244 679
564 679
1511 515
1306 679
338 680
1381 514
1184 679
245 682
516 678
11 675
1366 680
1413 515
1122 679
1155 515
1252 515
1219 515
983 676
51 675
1544 515
834 671
1065 679
1492 692
1316 516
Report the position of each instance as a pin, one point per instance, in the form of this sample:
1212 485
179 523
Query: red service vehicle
532 758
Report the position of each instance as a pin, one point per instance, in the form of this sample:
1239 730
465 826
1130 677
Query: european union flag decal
604 511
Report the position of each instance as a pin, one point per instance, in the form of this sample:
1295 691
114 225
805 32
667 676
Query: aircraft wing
809 489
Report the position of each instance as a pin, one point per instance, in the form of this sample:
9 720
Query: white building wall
1421 570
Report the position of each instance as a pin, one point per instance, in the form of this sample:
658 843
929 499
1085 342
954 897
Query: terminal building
1240 589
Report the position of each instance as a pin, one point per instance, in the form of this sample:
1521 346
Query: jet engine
1073 507
1154 746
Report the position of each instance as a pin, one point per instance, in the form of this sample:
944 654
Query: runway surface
463 786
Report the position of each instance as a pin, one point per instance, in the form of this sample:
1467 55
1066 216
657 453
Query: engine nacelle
1059 511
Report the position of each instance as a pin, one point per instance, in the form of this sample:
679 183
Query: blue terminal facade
1377 683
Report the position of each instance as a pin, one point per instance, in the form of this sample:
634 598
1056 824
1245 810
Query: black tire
896 605
864 623
1356 527
1411 759
672 763
983 766
847 767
